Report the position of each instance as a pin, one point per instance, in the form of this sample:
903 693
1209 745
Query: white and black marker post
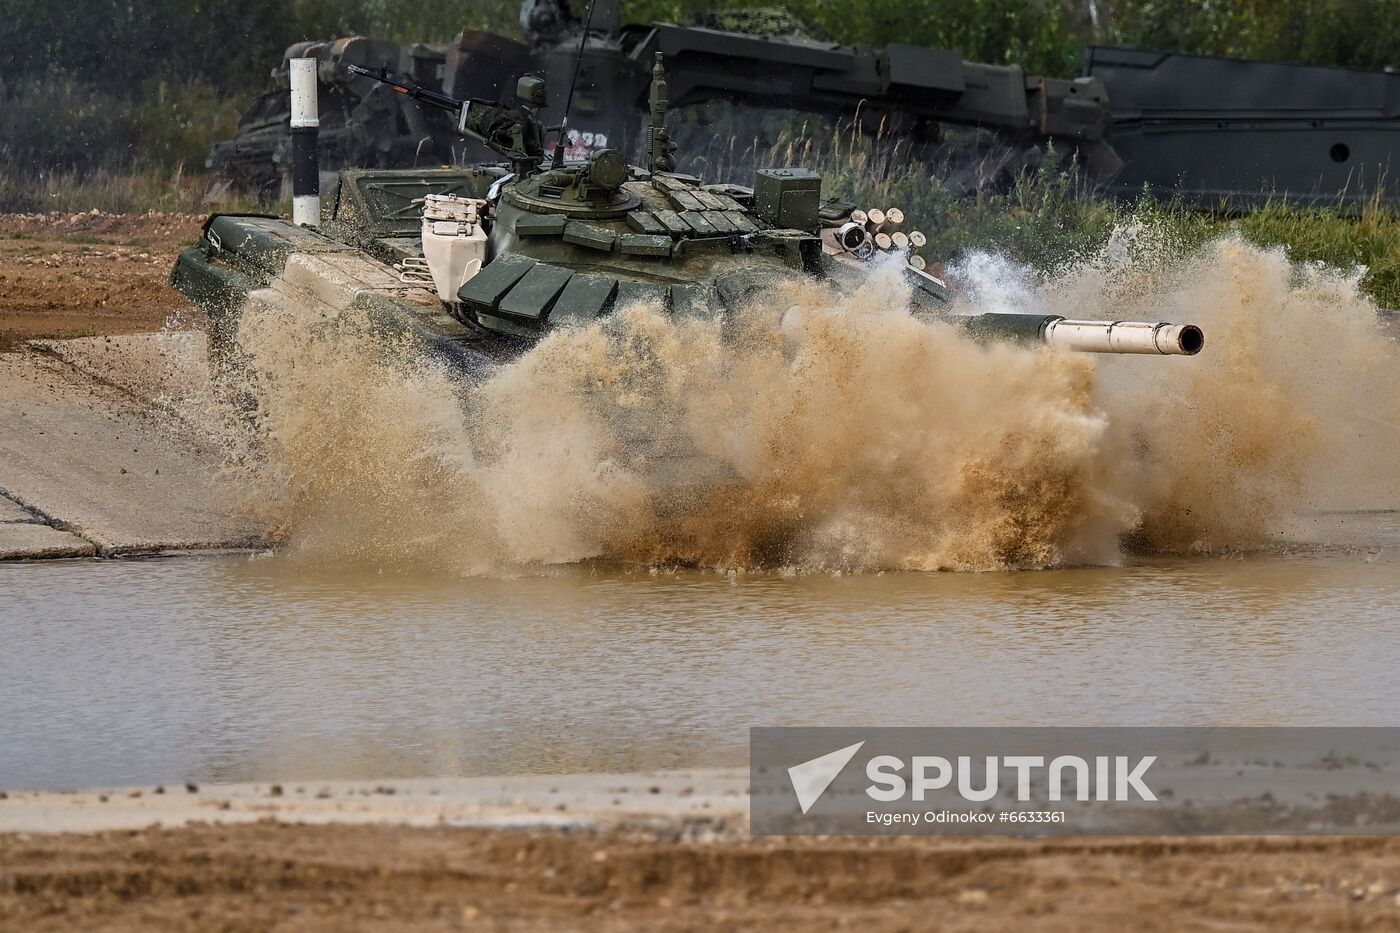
306 160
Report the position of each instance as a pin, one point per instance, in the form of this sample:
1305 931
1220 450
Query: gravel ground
78 275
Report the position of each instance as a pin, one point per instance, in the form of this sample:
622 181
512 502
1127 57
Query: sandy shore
269 875
665 851
716 798
74 275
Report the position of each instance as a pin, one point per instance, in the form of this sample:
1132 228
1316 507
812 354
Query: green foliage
1371 241
173 125
1050 218
106 103
1034 33
230 45
1352 33
1047 36
103 83
58 123
120 45
439 20
106 83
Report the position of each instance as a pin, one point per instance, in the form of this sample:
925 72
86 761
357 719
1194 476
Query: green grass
1371 240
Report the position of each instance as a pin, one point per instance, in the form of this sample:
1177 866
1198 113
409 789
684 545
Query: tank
480 262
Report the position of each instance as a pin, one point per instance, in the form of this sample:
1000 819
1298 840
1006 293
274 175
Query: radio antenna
569 101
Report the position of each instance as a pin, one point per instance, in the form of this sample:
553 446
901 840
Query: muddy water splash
1295 406
815 433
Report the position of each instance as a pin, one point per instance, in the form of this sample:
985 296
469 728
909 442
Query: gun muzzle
851 236
1125 337
1089 336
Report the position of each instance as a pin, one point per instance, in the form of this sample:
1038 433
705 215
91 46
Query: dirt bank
655 851
77 275
97 464
90 445
258 876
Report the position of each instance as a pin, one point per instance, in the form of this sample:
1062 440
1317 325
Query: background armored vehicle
482 261
1205 129
730 91
1216 129
362 123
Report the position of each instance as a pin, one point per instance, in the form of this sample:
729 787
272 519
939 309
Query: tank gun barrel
1088 336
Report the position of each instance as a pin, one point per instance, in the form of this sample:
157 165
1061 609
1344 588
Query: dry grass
114 192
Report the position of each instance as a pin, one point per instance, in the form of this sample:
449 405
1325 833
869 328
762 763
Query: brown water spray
819 433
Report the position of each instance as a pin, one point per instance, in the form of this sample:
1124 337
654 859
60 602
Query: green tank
482 261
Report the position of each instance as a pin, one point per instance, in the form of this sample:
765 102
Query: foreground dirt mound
258 876
79 275
95 223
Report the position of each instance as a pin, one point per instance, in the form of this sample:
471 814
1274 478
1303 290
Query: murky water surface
231 668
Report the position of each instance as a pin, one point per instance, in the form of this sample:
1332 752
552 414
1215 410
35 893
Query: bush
106 103
176 125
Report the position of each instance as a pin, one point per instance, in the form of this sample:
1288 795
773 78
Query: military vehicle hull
733 93
546 271
365 125
259 258
1209 131
1218 131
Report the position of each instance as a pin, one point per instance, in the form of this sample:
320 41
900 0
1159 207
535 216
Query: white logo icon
811 778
